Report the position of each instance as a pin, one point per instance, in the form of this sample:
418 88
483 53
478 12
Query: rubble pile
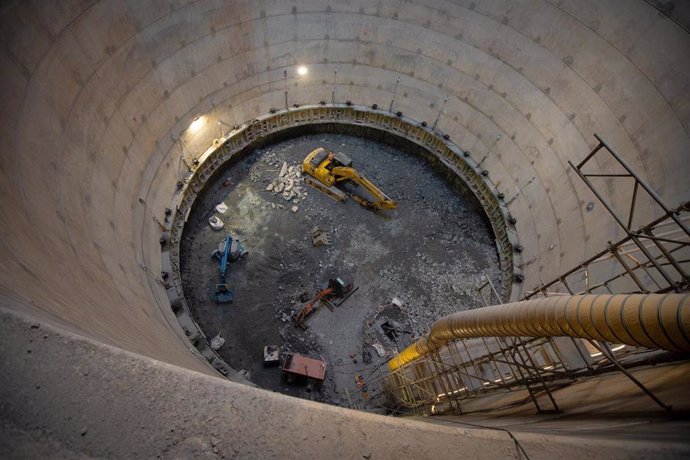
289 185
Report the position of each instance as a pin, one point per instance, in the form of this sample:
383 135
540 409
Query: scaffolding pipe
653 321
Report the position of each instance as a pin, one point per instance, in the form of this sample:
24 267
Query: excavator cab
325 159
315 158
341 285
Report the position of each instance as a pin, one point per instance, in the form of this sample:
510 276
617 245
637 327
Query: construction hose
657 321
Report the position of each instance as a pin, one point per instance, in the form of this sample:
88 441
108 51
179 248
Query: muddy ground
427 255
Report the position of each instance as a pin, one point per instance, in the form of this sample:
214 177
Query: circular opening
402 269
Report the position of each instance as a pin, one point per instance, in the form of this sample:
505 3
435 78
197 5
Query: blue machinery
224 293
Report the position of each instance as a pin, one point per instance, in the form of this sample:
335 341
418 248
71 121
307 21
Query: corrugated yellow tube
652 321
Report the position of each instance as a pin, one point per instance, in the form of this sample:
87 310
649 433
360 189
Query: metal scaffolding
652 258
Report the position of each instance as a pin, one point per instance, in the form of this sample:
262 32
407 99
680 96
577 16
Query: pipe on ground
652 321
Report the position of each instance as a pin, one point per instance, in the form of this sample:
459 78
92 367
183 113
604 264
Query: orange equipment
339 287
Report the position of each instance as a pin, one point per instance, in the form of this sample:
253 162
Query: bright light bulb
302 71
197 124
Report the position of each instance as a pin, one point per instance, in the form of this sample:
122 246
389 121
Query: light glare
302 71
197 124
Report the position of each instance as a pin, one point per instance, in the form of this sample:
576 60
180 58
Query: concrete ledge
65 396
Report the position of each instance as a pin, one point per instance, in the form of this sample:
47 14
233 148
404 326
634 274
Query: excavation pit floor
411 265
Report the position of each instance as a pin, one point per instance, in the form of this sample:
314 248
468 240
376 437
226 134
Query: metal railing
654 258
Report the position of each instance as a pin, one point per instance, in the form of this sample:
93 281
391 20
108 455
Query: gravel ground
428 254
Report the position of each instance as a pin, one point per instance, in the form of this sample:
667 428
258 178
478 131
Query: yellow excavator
333 174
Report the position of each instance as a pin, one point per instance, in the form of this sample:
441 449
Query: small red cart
296 366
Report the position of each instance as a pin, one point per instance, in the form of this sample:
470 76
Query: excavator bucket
223 294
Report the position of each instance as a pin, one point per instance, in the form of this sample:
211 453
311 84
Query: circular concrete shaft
98 99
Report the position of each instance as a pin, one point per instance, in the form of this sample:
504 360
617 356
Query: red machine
299 366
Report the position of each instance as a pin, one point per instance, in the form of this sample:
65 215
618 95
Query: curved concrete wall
97 96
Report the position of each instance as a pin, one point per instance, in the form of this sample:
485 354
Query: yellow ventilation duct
652 321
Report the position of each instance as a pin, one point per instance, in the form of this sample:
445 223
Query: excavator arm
304 312
381 200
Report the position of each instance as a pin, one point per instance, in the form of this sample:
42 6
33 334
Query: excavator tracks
333 192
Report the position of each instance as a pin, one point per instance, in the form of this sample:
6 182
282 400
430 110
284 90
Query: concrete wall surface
98 96
75 398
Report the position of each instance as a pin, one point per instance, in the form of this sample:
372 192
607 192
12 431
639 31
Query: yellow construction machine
333 174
